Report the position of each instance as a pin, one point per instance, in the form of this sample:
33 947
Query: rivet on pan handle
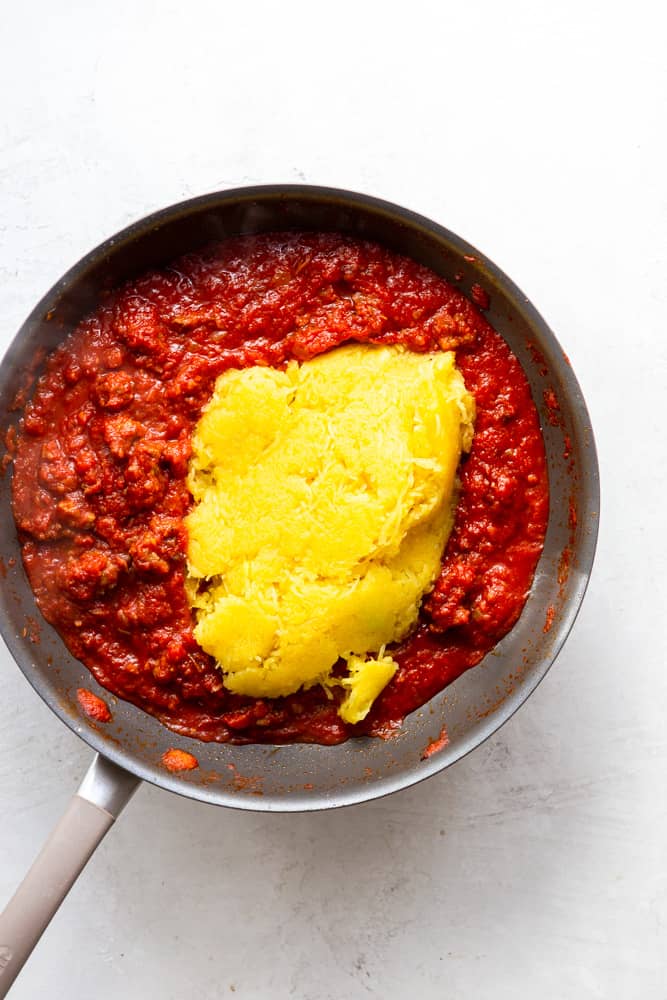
105 790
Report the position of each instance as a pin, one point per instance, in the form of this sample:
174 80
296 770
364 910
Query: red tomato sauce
95 708
179 760
99 485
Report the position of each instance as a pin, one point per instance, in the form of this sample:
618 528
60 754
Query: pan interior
297 777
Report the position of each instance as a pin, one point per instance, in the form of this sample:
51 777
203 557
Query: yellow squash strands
323 501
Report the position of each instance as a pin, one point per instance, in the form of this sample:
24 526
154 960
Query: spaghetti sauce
99 486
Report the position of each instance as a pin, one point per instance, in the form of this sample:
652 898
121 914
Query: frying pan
297 777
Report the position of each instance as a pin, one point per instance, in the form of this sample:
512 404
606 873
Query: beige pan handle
105 790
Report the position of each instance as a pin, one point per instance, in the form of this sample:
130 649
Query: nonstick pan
297 777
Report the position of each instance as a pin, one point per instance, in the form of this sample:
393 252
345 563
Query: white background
536 868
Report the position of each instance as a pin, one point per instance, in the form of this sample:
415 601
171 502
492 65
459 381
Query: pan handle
104 791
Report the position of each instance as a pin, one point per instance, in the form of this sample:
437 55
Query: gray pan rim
389 784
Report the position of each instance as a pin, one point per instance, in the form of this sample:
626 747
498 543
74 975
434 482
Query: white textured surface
537 866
